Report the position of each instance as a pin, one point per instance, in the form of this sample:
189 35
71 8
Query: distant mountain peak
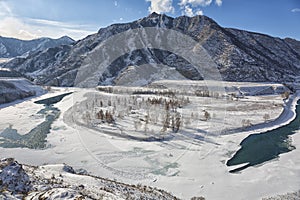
65 37
12 47
154 14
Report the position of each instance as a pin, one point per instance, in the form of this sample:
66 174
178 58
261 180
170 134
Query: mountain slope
63 182
12 89
11 47
239 55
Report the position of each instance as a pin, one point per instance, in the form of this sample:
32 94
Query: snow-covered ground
190 163
63 182
3 60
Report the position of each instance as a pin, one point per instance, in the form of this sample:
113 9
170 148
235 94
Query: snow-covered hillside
19 181
11 47
239 55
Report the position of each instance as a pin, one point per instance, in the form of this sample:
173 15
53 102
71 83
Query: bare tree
266 117
285 95
125 102
166 122
173 123
121 114
108 117
137 125
87 118
206 115
177 122
246 123
187 121
100 115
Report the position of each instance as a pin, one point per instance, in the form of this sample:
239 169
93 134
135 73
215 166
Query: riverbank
288 114
259 148
17 90
275 177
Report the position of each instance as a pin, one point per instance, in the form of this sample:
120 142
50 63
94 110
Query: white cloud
191 7
188 11
27 35
199 12
51 23
296 10
219 2
34 28
195 3
12 25
161 6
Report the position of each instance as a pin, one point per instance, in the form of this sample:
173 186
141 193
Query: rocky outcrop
14 89
63 182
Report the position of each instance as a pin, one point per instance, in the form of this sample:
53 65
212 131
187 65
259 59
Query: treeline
200 92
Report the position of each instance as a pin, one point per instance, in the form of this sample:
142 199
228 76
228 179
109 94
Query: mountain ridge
12 47
239 55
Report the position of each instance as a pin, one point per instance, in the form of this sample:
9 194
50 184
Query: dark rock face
9 73
11 47
11 90
13 177
239 55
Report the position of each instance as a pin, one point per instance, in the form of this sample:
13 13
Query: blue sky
27 19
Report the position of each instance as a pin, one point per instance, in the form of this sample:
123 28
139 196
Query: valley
160 133
161 107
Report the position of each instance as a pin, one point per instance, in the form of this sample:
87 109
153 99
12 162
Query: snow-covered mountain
63 182
11 47
239 55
